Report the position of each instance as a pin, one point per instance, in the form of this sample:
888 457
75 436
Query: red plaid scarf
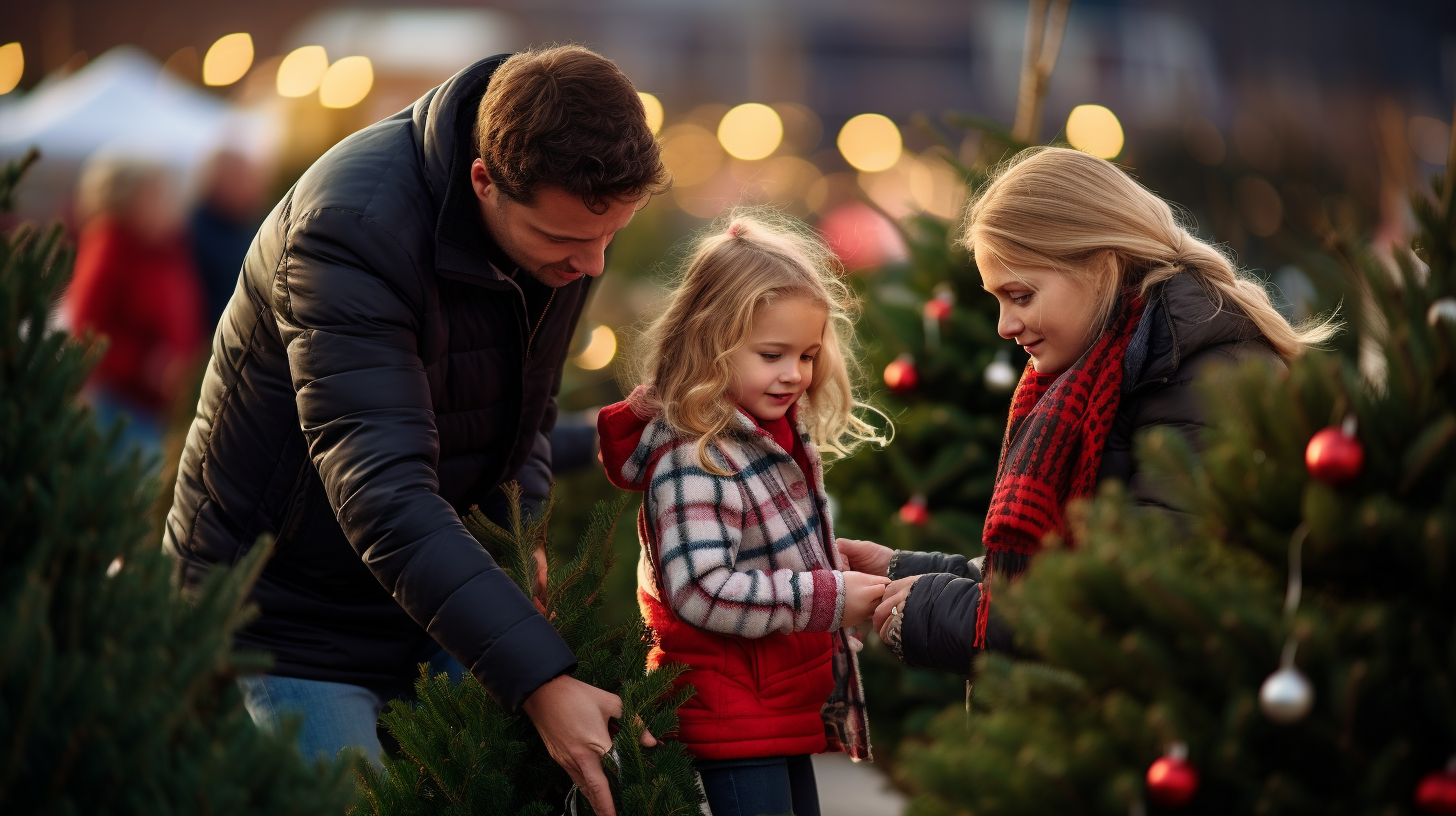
1051 453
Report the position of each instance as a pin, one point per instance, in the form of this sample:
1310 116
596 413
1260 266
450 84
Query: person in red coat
135 287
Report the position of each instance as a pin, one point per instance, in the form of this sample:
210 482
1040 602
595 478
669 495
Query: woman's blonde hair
1063 209
751 258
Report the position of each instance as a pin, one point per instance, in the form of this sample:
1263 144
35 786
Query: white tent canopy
124 104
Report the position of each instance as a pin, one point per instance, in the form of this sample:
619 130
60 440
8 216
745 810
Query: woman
134 285
1122 311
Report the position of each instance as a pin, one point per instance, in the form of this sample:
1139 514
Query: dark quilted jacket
1188 336
370 380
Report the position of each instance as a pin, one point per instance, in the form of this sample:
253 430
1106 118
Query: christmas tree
116 694
461 753
1294 650
930 331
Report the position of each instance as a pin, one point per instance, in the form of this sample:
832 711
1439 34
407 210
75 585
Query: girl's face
776 364
1047 312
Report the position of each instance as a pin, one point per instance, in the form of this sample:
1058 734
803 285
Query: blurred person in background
231 195
391 358
135 287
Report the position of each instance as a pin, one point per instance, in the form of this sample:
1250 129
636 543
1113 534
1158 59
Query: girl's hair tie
735 229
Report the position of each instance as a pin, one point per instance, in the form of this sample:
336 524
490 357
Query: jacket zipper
539 321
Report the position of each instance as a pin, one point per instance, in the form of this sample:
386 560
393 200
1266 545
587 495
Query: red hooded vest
754 697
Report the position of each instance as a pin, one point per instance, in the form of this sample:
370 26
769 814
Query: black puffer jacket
1187 335
376 374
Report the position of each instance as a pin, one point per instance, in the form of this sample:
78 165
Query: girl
745 380
1122 311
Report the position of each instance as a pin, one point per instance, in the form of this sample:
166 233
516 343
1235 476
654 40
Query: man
389 358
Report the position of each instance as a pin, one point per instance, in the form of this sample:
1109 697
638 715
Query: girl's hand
865 556
894 598
862 593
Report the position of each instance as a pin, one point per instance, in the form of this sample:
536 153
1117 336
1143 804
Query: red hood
620 428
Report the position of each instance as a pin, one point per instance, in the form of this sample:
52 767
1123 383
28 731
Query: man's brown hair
567 117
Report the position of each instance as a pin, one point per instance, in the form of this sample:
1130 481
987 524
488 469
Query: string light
654 111
1095 129
228 59
302 71
691 152
12 66
870 142
599 351
751 131
347 82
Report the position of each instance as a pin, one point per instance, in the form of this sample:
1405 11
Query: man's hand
571 717
894 598
865 556
540 580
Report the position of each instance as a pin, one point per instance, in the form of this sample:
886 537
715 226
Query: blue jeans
144 432
334 716
762 786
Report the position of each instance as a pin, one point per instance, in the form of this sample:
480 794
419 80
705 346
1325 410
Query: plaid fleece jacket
748 554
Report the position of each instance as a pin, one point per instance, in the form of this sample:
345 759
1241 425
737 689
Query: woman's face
1047 312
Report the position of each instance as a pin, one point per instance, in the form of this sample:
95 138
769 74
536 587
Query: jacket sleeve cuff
524 658
905 563
827 606
940 624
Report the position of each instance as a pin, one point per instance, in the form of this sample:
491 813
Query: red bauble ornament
1436 792
914 512
1334 455
937 309
901 375
862 237
1172 782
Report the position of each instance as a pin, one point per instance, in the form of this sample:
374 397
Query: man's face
556 238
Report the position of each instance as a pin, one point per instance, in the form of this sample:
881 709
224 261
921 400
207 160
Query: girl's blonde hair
1063 209
751 258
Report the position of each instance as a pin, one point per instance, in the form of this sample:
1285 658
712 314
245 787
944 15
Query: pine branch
460 752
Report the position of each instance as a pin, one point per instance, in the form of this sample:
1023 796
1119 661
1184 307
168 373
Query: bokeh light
711 198
228 59
787 178
870 142
1430 138
347 82
1095 129
12 66
828 192
889 189
937 188
802 128
691 152
302 71
1260 205
751 131
708 114
599 351
654 111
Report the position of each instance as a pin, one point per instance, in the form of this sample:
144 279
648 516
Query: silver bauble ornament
1286 696
1443 309
1000 376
